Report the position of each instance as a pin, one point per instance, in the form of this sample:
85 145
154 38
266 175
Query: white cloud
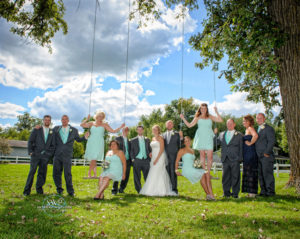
237 105
73 99
4 126
28 65
149 93
10 111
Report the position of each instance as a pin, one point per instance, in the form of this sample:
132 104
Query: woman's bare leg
202 158
92 166
209 159
209 186
204 184
95 168
104 185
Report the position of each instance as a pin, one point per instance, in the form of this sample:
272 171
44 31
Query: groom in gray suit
231 156
264 149
173 141
40 148
64 140
140 153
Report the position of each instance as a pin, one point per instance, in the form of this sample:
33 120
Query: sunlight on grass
133 216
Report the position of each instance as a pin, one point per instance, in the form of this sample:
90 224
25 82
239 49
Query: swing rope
97 4
127 57
182 66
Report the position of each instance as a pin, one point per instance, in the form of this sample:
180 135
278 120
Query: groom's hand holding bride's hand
177 172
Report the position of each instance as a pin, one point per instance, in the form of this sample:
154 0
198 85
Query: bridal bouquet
104 164
197 163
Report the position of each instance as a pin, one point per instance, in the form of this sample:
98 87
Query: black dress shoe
25 194
226 196
41 193
114 192
121 191
72 195
262 195
235 196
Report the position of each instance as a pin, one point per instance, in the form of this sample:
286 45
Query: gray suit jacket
66 150
265 142
120 140
135 147
234 149
173 146
37 145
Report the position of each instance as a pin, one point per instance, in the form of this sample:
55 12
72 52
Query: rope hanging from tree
182 65
97 4
127 57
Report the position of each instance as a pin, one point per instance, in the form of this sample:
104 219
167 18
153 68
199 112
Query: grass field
132 216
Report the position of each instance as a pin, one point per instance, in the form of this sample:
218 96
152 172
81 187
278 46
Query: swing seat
90 177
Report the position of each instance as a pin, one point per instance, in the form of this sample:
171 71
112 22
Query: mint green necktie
142 154
258 129
227 137
126 149
46 132
64 133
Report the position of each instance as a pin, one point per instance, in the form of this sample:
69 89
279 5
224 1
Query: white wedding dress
158 181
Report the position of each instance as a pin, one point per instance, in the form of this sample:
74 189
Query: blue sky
33 80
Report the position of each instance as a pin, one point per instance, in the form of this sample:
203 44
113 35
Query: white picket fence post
277 169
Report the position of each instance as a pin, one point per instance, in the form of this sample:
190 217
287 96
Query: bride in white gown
158 182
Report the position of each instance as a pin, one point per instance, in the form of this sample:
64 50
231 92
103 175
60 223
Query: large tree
261 39
26 121
37 20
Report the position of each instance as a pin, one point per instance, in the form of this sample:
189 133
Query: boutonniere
50 132
262 126
172 133
70 130
236 133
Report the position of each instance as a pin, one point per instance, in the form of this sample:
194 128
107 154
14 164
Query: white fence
278 167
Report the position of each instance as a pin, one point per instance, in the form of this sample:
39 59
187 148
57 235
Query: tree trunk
286 13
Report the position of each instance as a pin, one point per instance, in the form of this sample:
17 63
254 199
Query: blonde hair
99 113
158 128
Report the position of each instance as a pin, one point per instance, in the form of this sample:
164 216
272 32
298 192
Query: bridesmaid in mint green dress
193 174
203 140
95 145
116 170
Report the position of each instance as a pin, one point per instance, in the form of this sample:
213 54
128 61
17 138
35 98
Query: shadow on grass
276 199
25 218
233 226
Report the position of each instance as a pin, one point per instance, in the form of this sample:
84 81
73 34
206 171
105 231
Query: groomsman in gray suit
173 141
124 145
40 148
264 149
64 140
140 154
231 156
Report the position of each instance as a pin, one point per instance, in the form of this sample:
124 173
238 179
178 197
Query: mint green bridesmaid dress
95 144
204 136
194 175
115 170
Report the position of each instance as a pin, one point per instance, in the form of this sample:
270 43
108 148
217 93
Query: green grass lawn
132 216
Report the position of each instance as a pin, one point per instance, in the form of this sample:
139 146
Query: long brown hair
250 119
198 112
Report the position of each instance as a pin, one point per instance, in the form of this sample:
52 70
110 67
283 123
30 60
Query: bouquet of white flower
104 164
197 163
